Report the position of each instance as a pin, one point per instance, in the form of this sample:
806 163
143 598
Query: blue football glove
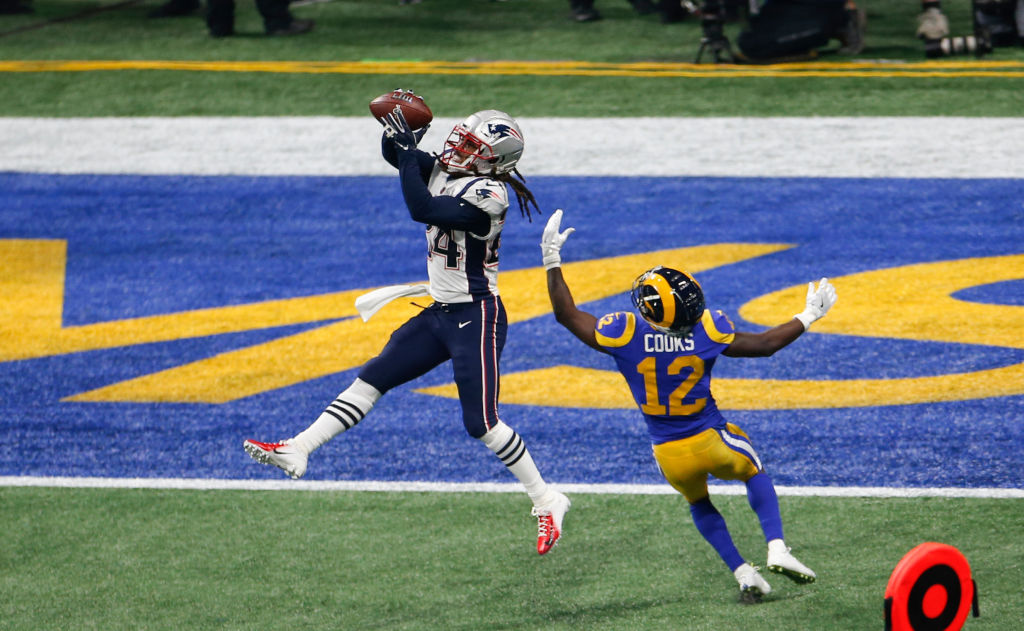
397 130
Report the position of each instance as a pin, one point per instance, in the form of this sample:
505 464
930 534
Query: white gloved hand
552 240
819 301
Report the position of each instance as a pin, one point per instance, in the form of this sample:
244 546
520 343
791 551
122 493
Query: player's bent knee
494 437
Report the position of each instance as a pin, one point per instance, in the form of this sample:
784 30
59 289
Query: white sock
510 448
342 414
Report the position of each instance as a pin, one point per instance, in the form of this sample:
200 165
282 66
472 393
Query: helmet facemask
669 300
486 143
464 152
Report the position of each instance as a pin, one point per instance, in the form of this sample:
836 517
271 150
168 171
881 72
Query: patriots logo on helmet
501 130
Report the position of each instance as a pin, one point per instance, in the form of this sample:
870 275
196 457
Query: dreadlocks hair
523 194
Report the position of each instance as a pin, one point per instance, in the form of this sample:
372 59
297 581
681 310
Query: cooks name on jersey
662 343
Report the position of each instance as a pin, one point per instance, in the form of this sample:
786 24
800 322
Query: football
414 108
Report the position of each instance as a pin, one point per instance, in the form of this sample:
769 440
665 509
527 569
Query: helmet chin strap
474 169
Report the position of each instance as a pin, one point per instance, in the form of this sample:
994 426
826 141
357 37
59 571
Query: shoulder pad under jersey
488 195
615 329
718 326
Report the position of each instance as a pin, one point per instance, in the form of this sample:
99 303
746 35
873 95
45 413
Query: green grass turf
144 559
161 559
459 30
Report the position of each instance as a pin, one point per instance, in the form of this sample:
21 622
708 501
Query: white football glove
552 240
819 301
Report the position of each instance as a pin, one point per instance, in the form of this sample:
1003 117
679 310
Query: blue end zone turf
142 246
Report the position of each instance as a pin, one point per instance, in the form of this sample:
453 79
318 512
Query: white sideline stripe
483 487
899 147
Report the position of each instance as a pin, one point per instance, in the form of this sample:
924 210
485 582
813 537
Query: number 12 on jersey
676 407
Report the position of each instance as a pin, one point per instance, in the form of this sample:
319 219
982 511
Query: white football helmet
487 142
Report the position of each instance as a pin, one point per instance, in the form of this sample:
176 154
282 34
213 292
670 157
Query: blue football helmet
670 300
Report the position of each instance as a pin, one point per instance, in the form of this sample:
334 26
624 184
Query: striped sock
344 413
512 451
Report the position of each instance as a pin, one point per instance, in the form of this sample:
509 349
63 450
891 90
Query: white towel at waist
370 303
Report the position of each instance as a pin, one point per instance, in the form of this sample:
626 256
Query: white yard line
912 147
482 487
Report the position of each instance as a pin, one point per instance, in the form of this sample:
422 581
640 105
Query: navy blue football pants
471 334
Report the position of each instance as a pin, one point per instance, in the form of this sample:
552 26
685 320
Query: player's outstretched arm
819 300
399 139
580 323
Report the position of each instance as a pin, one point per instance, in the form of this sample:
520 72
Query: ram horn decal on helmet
670 300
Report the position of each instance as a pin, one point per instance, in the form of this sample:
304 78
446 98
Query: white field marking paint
483 487
902 147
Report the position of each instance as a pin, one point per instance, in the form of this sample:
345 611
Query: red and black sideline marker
931 589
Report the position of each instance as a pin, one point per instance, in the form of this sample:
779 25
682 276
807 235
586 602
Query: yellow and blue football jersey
669 376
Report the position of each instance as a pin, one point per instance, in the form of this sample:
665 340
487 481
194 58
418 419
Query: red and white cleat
282 455
549 522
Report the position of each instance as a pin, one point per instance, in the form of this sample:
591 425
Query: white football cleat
782 562
282 455
549 522
752 585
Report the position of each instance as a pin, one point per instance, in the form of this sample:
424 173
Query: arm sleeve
443 211
391 155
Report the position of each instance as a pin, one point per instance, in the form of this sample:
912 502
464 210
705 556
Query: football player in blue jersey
666 356
461 198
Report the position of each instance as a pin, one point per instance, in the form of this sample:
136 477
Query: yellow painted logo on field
911 302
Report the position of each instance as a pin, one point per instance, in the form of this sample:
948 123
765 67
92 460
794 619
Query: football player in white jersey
461 197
